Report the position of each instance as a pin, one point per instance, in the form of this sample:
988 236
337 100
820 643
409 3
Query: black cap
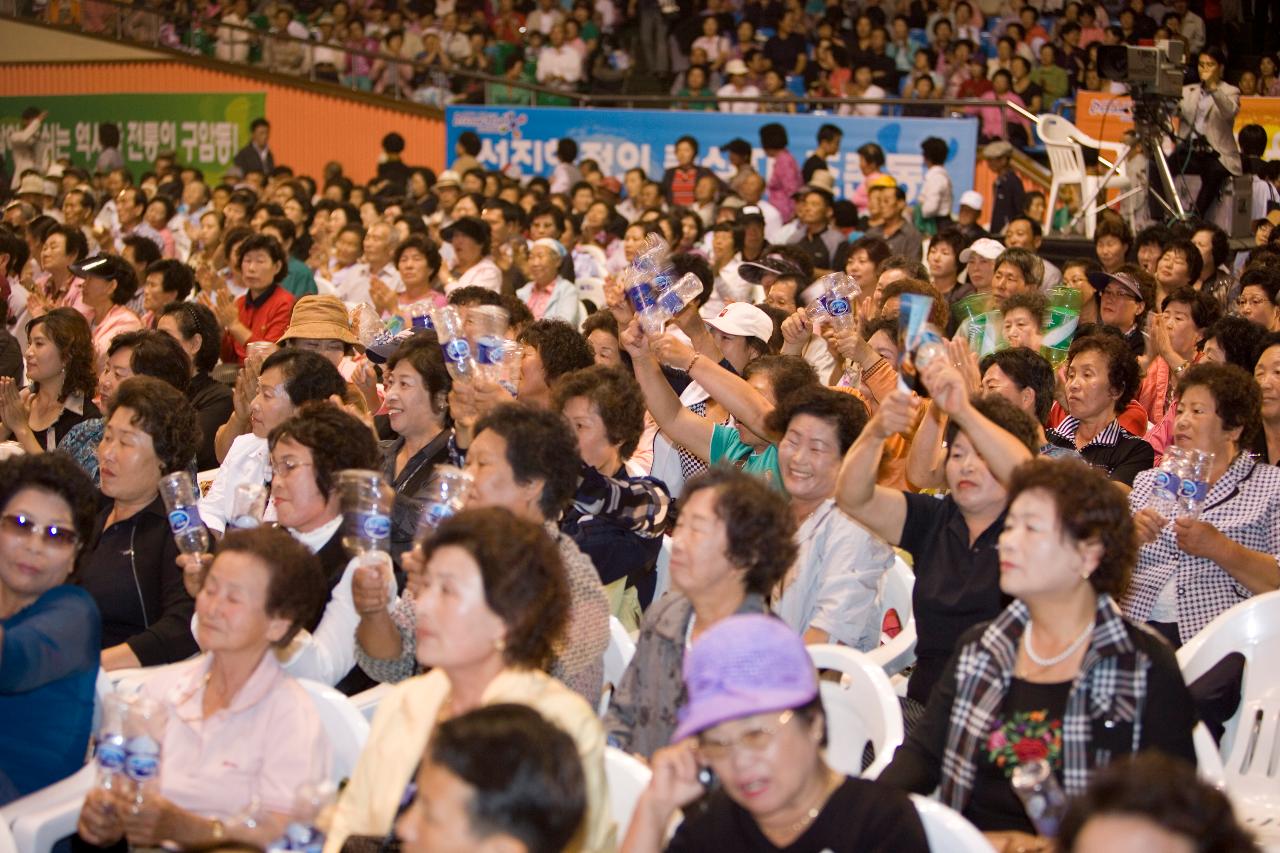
749 212
753 272
739 146
106 267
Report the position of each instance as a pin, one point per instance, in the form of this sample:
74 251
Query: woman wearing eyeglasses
132 570
754 727
1257 300
47 505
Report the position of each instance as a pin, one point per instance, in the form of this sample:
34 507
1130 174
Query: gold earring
499 645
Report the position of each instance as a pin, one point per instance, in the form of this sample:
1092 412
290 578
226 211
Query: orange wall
308 129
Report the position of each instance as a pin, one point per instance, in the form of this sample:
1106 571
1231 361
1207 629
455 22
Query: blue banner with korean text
522 141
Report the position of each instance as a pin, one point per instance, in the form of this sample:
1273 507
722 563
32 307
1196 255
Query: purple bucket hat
744 665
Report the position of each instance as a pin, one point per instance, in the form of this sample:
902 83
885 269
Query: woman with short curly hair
132 572
491 604
1059 675
734 541
1193 569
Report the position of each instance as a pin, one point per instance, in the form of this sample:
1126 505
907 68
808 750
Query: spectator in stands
1225 554
166 281
1009 691
559 65
256 155
498 775
131 570
951 541
935 192
287 379
56 286
47 508
262 313
1259 290
109 286
1112 241
195 328
1025 378
62 377
548 295
300 281
472 246
896 229
816 238
1101 378
679 181
492 604
754 711
1150 244
260 590
1016 271
1008 190
739 86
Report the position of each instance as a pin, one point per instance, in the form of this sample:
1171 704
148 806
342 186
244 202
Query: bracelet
217 830
1177 371
692 362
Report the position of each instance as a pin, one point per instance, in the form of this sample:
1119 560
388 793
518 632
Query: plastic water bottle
489 326
669 303
512 366
109 746
366 498
836 301
639 289
144 733
445 495
420 315
182 502
1195 482
1168 483
1041 796
303 833
451 331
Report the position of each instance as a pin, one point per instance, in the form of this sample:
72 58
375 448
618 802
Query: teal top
727 445
299 281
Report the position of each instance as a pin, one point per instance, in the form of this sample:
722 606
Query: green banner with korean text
203 129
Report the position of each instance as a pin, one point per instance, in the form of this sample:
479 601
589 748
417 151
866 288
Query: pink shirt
539 299
73 298
118 320
268 743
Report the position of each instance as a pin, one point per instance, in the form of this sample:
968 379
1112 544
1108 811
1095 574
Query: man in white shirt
738 87
1192 26
559 65
543 18
27 147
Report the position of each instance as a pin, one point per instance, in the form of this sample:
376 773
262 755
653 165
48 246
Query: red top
266 318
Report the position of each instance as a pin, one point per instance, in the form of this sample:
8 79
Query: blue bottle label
1166 482
375 526
838 306
641 296
457 350
489 350
183 518
1187 489
436 513
110 754
142 759
422 322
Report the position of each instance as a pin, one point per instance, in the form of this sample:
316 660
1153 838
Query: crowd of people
780 53
267 329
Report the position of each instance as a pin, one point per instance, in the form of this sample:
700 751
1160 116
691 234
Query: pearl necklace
1058 658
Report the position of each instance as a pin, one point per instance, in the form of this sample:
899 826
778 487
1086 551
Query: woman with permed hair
1059 676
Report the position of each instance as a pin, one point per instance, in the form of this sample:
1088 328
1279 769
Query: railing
397 77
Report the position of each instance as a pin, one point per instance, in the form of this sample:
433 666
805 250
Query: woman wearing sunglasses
47 508
754 719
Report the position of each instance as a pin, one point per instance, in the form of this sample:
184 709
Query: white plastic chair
896 653
1066 163
1251 742
7 844
367 701
42 819
627 777
343 723
663 568
861 708
948 830
617 657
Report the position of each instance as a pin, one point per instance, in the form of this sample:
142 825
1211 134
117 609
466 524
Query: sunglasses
62 537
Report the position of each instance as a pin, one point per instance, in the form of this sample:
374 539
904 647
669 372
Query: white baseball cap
745 319
972 198
984 247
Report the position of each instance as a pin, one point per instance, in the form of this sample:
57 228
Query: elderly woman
46 515
525 460
262 312
1059 675
491 605
60 368
417 406
1179 266
952 541
1102 377
547 294
166 281
730 548
241 733
132 572
1191 569
1257 300
1266 373
606 410
754 718
471 240
63 247
417 260
195 328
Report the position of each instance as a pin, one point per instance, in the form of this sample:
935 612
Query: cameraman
1207 144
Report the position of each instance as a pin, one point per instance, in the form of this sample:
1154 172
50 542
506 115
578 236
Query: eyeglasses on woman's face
18 524
756 740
